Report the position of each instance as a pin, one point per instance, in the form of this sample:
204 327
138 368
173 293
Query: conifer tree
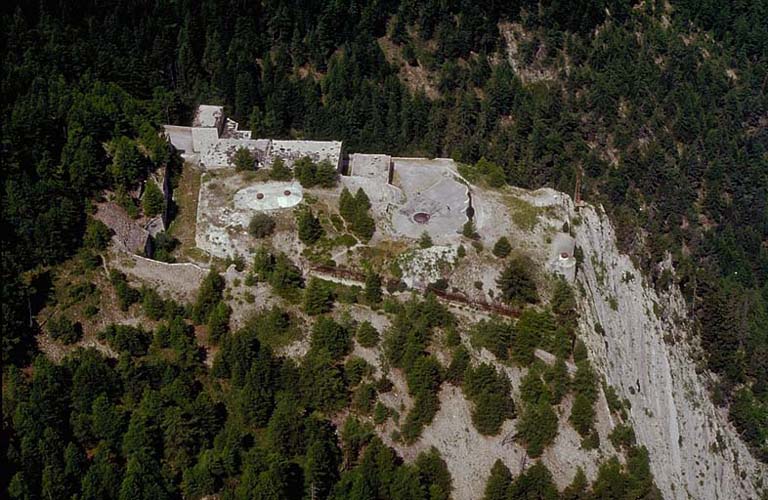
498 483
318 297
372 288
280 172
367 335
326 175
347 205
516 282
502 248
218 321
310 229
152 202
244 159
209 294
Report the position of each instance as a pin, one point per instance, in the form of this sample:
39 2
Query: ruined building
213 139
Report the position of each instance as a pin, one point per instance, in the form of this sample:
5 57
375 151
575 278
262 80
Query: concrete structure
269 196
412 195
209 117
371 166
562 259
213 139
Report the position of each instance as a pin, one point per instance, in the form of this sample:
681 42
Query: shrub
65 330
244 159
425 240
261 225
502 248
279 171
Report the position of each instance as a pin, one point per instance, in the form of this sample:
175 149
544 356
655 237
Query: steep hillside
643 343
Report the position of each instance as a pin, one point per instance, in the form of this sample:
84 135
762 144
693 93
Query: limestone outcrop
641 342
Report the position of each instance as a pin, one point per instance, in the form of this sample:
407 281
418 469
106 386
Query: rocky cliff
641 342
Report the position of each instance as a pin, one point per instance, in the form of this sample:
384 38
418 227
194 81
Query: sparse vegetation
244 160
261 226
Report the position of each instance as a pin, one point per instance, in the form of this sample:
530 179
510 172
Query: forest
662 112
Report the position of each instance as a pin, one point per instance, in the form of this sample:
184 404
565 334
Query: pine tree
210 293
536 482
468 230
579 487
372 288
280 172
347 205
261 225
218 322
244 160
326 175
318 297
502 248
305 171
498 483
322 466
516 282
330 336
143 480
367 335
310 229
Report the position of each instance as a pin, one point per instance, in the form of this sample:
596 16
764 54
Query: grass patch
524 215
183 225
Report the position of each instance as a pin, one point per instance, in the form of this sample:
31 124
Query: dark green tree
502 248
279 171
318 297
516 282
310 229
244 160
152 201
372 288
367 335
210 293
261 225
498 483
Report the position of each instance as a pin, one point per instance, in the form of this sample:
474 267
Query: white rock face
644 352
